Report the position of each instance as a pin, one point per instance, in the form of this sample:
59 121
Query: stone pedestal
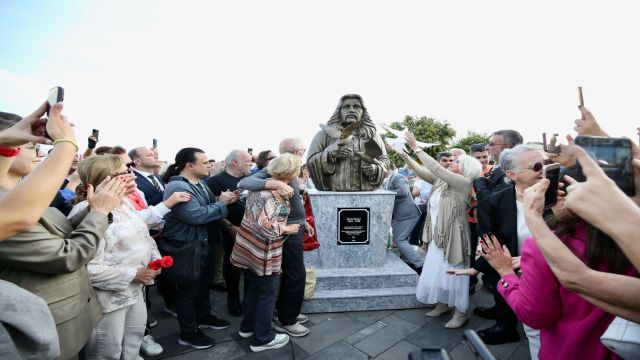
354 269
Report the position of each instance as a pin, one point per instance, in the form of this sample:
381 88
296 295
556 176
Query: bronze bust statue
348 153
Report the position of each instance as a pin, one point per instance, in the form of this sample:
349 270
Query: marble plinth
326 205
390 286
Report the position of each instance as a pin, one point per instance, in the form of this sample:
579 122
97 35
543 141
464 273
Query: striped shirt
258 245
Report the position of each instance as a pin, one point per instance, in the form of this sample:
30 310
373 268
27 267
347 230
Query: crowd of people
80 235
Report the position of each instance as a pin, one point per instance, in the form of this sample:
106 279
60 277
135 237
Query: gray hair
510 159
511 137
457 152
289 145
471 167
233 155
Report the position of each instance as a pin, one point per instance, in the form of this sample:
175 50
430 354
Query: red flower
167 261
155 264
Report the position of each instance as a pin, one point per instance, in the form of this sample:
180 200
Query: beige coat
50 261
452 229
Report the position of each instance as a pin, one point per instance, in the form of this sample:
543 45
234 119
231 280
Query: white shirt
523 230
145 175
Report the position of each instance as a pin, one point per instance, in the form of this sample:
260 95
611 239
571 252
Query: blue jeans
259 304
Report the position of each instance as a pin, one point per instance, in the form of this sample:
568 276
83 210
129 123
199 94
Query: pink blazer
570 326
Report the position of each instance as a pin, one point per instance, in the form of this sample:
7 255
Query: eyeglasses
536 167
271 158
495 144
32 146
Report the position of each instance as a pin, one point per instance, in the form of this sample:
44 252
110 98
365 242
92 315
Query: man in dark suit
405 217
145 162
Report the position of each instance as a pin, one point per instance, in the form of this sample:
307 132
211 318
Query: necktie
155 182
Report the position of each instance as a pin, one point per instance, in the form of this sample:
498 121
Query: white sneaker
245 335
150 347
279 341
301 318
295 330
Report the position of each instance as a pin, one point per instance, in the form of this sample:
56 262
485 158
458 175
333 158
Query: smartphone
155 143
580 98
56 95
544 142
551 172
614 157
250 151
95 133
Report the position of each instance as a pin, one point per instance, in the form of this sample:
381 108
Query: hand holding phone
552 173
614 157
93 139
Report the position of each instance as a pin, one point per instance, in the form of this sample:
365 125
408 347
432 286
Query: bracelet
67 140
9 152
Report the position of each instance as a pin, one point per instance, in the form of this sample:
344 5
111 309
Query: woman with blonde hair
258 250
446 232
119 269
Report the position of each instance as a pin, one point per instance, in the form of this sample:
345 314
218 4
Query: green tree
425 129
471 138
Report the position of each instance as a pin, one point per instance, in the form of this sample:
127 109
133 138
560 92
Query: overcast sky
221 75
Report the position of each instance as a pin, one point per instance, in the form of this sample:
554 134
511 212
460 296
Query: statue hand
368 169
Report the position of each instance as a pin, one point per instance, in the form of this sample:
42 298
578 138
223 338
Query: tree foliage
425 129
471 138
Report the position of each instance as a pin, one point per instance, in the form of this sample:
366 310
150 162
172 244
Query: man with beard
238 165
348 154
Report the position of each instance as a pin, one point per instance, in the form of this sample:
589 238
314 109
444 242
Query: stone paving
383 335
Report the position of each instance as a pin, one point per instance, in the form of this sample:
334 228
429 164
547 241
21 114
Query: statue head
349 110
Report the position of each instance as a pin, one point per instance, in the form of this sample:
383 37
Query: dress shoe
485 312
235 308
499 334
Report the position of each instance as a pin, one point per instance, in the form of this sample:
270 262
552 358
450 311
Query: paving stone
341 350
354 338
415 316
400 350
522 352
462 352
330 331
435 335
228 350
378 342
370 317
287 352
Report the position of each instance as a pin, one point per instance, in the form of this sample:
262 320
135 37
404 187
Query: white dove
398 143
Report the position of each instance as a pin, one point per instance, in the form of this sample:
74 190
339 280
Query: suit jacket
50 261
151 194
403 207
504 225
484 187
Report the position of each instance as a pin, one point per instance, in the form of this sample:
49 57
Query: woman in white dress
446 233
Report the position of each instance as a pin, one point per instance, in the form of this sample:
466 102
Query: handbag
623 338
187 259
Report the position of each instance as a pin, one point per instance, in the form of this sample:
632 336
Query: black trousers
473 243
504 315
230 272
292 279
192 300
259 303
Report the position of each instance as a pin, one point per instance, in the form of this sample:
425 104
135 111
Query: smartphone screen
95 133
551 172
614 157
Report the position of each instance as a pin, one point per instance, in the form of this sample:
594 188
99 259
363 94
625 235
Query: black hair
442 154
262 161
478 148
183 157
511 137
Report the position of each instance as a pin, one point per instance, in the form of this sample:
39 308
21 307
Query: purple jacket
570 326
